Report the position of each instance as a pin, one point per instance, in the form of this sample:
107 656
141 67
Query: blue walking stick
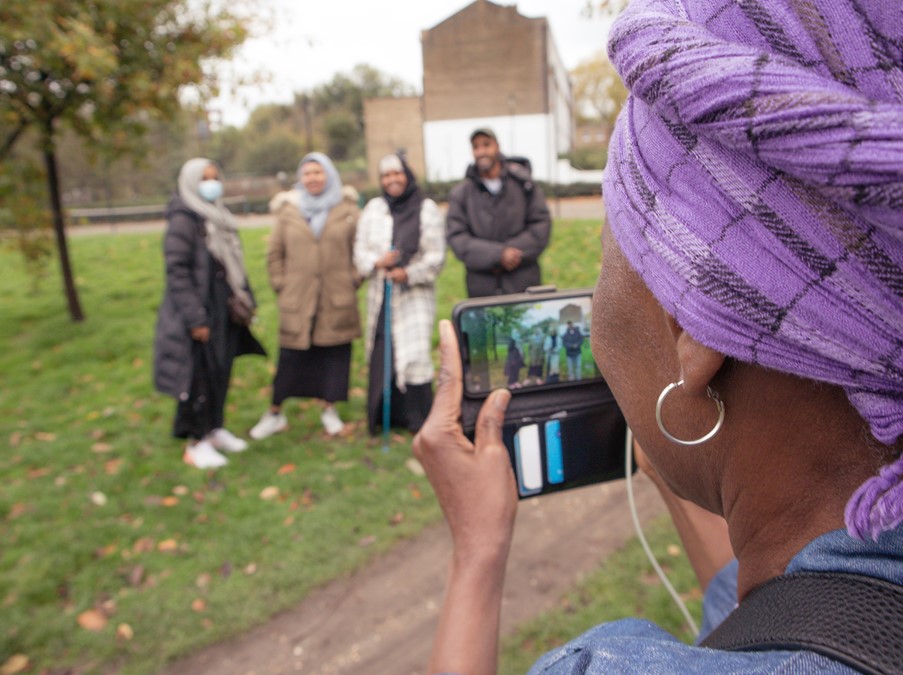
387 364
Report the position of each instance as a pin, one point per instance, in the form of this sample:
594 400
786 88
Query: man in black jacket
498 221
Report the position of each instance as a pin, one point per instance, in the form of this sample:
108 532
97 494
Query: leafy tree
21 196
598 90
609 8
278 151
343 135
348 92
104 68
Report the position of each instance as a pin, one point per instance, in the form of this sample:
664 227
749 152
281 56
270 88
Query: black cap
483 131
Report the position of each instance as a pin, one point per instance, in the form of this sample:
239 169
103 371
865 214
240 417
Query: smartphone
526 341
563 428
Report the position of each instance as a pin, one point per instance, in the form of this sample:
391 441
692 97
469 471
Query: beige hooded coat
314 279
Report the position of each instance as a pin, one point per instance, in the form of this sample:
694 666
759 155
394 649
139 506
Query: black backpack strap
853 619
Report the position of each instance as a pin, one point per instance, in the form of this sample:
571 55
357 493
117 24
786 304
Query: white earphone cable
628 467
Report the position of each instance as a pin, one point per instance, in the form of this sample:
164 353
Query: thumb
491 419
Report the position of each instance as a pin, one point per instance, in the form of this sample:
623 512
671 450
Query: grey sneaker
270 423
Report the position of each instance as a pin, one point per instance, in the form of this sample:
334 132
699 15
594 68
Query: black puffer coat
188 303
480 225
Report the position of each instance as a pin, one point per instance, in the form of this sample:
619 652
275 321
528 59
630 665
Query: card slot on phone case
528 460
560 453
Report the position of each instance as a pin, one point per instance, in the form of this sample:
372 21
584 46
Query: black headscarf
405 210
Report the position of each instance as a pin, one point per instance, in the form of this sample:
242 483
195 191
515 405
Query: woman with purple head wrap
748 319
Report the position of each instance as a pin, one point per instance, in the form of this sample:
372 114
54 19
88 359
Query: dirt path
382 618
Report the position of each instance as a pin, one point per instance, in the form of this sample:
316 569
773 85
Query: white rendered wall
447 144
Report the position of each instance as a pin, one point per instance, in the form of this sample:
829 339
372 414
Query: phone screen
527 344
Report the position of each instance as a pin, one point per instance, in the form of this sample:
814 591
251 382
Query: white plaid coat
414 303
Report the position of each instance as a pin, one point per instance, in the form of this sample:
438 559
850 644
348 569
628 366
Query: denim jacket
639 646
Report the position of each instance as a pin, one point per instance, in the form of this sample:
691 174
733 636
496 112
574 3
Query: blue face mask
211 190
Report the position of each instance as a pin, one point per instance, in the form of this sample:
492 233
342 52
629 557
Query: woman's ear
698 363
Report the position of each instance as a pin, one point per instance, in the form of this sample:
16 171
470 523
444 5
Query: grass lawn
115 554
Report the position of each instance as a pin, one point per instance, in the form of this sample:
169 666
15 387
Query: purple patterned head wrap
755 182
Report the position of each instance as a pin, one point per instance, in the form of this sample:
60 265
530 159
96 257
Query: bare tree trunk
56 205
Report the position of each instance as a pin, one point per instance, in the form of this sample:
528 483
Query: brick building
394 124
486 65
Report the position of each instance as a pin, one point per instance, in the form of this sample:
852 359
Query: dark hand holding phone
563 428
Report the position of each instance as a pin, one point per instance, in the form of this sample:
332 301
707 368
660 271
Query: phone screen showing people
527 344
566 452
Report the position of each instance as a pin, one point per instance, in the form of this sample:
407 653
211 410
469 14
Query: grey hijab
316 207
222 233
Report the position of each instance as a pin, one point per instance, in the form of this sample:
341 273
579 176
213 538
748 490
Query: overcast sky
312 40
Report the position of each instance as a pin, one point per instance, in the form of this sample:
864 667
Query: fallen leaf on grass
180 490
14 439
367 541
170 501
124 632
98 499
286 468
673 550
92 620
16 663
307 498
415 492
397 519
97 434
137 363
44 436
112 467
269 493
198 605
106 551
143 545
136 575
17 510
288 521
168 545
101 448
38 473
250 568
398 438
203 580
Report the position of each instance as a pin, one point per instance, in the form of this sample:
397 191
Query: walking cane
387 363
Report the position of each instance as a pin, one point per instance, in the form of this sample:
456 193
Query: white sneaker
331 421
222 439
204 456
270 423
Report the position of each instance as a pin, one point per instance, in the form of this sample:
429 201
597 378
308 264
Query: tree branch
11 139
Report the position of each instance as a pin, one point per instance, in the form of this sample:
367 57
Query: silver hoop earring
661 425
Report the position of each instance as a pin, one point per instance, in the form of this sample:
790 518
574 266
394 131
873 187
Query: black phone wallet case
559 438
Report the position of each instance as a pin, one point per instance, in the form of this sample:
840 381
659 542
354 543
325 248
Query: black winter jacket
480 225
186 303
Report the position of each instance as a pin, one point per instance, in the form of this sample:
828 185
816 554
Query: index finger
450 387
